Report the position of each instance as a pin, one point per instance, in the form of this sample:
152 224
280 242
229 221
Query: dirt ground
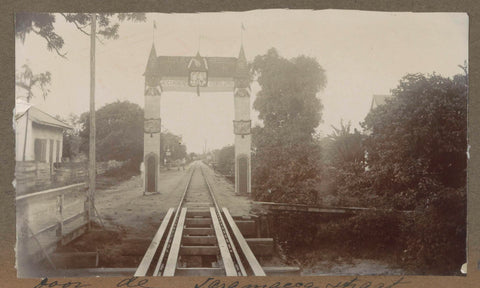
351 267
238 205
123 206
131 219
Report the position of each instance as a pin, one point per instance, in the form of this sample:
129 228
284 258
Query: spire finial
242 28
153 31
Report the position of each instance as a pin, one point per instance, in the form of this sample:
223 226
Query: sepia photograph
259 143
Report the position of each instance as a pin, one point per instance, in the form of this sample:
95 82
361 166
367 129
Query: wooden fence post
60 228
23 237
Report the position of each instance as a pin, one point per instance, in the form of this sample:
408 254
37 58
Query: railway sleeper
192 213
199 250
200 271
199 240
189 231
198 222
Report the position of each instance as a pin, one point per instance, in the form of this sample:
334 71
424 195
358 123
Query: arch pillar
151 178
242 126
152 126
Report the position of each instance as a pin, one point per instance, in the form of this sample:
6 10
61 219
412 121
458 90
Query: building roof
177 66
38 116
378 100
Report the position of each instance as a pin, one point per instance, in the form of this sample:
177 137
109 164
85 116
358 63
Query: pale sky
363 53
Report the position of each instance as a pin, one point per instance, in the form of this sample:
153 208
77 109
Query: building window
41 150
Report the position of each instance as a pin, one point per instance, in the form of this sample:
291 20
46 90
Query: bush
426 242
436 240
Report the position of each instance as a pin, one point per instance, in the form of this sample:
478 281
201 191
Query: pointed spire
152 60
241 54
241 69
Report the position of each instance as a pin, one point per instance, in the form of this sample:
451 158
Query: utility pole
92 165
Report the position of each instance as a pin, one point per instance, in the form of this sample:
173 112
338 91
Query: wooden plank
48 228
198 250
51 192
198 213
198 204
282 271
261 246
49 248
247 252
320 209
73 218
196 222
198 231
162 256
59 215
200 271
171 264
222 244
74 234
152 249
199 240
238 261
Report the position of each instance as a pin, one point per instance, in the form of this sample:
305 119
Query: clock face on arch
198 78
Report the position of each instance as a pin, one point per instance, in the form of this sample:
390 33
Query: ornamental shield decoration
242 127
152 126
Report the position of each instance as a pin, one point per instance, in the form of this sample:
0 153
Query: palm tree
28 81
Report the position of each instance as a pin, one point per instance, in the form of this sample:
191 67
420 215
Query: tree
417 142
344 161
287 157
30 82
345 146
288 98
71 137
417 159
225 159
42 24
119 132
172 143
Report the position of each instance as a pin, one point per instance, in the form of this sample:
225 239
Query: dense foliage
42 24
344 164
418 140
417 160
411 156
225 160
119 127
119 132
71 138
286 162
172 143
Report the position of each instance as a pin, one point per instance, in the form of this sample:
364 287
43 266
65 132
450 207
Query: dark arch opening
242 174
151 172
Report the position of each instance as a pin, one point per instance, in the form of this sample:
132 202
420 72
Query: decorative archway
195 74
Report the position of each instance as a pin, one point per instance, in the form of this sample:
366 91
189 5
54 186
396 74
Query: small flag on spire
241 33
154 24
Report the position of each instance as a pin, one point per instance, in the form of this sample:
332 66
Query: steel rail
162 260
231 247
166 250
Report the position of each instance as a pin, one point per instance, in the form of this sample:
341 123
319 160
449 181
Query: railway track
198 238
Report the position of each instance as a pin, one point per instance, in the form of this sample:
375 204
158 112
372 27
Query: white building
38 135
